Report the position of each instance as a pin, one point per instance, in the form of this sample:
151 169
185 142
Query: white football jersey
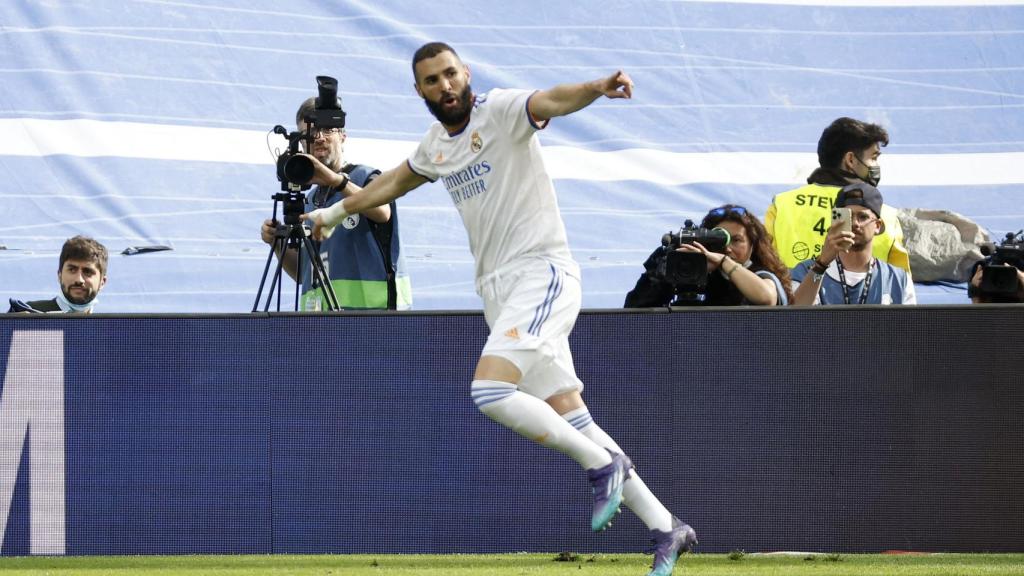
495 176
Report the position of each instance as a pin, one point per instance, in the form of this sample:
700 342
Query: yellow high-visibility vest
799 219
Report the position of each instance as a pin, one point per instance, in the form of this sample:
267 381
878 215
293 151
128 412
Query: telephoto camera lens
298 170
716 240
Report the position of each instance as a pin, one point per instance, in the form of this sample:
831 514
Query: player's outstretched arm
388 186
568 98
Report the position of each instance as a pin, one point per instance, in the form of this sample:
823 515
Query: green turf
518 564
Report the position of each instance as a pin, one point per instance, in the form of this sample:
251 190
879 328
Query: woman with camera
747 272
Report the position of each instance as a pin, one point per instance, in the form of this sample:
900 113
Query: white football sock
537 420
635 494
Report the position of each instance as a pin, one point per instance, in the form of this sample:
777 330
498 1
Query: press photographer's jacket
362 258
653 292
35 306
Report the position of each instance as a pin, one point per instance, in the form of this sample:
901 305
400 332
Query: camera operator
362 258
747 272
846 271
980 298
999 279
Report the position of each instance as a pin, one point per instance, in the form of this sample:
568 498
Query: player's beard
456 116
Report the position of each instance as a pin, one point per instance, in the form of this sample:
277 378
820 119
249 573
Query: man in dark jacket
82 274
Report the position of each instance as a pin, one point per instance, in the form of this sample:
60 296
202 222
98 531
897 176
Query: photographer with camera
363 257
846 271
999 278
735 265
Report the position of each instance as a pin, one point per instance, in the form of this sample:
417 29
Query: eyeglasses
324 132
863 218
722 211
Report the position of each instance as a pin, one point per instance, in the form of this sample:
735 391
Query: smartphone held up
844 216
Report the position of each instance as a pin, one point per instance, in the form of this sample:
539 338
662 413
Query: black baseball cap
861 194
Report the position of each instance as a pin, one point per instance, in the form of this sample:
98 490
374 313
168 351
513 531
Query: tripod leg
319 274
275 282
315 279
318 280
298 279
263 279
283 236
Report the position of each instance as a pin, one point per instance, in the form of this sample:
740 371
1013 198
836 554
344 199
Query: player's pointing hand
618 85
322 230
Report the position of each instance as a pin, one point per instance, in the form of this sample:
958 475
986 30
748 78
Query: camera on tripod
687 272
999 274
294 171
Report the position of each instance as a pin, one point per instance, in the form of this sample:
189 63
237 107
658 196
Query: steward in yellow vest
798 220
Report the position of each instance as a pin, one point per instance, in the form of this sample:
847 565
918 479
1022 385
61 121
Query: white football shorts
531 308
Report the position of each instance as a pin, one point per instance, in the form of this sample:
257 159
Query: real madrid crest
476 143
350 221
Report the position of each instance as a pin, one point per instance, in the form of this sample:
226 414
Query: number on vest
819 227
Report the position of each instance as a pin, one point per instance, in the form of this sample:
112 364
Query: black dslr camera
293 170
999 273
687 272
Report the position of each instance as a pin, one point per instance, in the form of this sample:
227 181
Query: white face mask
66 306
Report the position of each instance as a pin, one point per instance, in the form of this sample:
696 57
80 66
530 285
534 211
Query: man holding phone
846 271
798 220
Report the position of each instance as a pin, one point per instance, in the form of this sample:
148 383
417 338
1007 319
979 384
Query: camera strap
846 288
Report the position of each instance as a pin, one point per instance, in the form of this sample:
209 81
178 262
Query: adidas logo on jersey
512 333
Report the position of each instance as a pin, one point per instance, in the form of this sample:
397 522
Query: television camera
295 171
999 272
687 272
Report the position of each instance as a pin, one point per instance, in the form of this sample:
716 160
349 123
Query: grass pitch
519 565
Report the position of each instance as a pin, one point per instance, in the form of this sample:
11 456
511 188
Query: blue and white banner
148 122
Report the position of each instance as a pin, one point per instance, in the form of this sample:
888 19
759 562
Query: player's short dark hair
429 50
848 135
85 249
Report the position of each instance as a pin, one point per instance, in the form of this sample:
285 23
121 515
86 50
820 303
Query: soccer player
485 150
